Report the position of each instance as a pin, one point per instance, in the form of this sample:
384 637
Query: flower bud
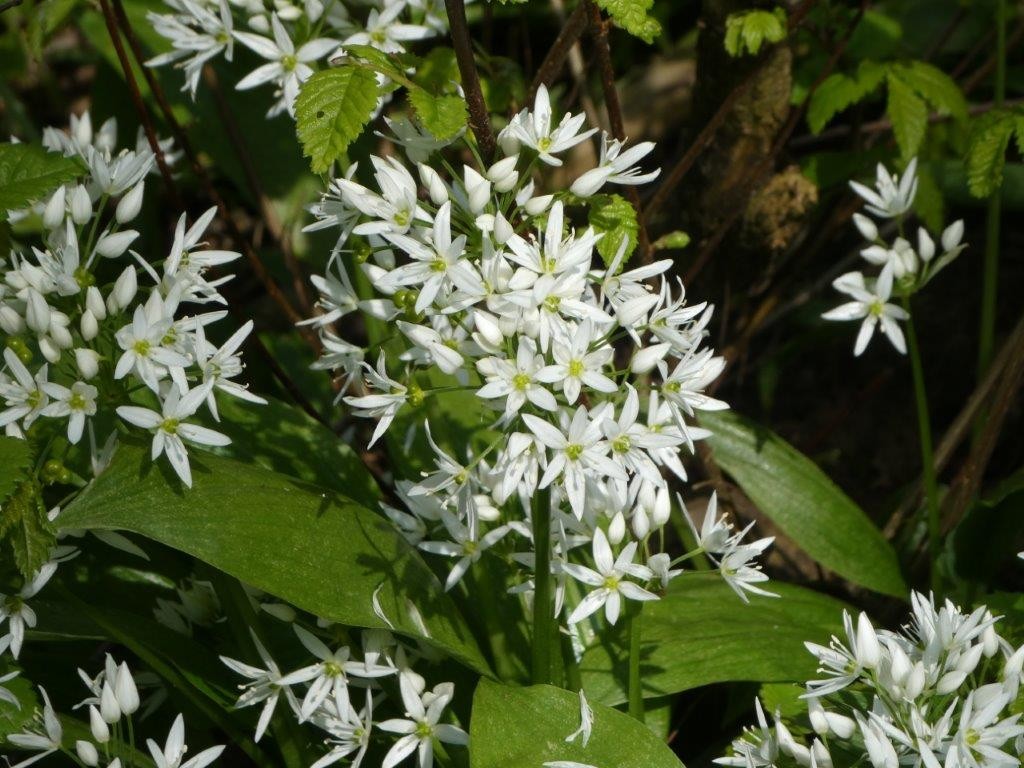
98 725
88 325
50 350
868 650
925 244
841 725
53 212
537 205
87 753
478 189
645 359
124 290
94 302
915 683
502 229
590 182
110 710
61 336
88 362
968 661
81 205
617 529
816 714
504 174
952 235
11 322
820 756
487 326
130 204
435 185
281 611
990 641
113 244
508 142
949 682
662 508
867 227
641 523
127 693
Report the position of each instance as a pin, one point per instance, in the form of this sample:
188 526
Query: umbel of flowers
593 370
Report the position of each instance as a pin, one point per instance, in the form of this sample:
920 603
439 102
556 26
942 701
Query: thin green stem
543 609
924 429
990 276
636 693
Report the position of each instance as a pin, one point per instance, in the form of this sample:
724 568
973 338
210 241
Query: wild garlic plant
93 330
591 372
294 39
943 691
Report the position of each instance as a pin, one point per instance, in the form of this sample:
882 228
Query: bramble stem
924 429
479 117
636 694
543 611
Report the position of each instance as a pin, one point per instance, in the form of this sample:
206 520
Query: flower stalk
636 694
543 610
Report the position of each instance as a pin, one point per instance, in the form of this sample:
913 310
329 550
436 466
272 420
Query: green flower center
611 583
170 426
544 143
424 730
671 386
552 303
574 451
438 265
521 381
289 63
333 669
401 218
876 308
621 444
575 368
141 348
76 402
84 277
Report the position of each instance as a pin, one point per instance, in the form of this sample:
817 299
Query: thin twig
140 107
479 117
9 4
560 50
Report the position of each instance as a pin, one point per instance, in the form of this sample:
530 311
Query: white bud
124 290
641 523
281 611
88 325
94 302
130 204
866 227
509 143
487 326
87 753
968 661
478 189
869 651
617 529
950 681
88 362
81 205
110 710
98 725
53 212
645 359
503 230
11 322
990 641
434 183
915 683
537 205
1014 663
113 244
900 666
590 182
50 350
841 725
925 244
37 312
662 508
816 713
820 756
502 168
952 235
61 336
127 693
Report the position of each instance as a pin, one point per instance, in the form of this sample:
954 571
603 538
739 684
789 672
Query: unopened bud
53 212
81 205
113 244
88 325
128 207
535 206
94 302
87 753
124 290
88 362
98 725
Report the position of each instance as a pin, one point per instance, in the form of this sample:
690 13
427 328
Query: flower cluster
941 692
84 334
293 39
904 268
592 374
383 672
113 700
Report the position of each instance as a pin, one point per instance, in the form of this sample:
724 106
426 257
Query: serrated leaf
839 91
634 17
986 151
26 528
934 86
331 111
438 70
747 32
801 499
28 173
527 727
443 116
15 460
908 114
615 218
393 65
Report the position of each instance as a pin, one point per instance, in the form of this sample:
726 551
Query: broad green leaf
318 550
392 65
331 111
28 173
526 727
634 17
15 719
934 86
443 116
747 32
438 71
23 523
702 633
615 218
839 91
15 460
804 502
908 114
986 151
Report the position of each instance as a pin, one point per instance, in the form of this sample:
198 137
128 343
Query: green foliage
443 116
634 17
516 727
15 461
331 111
718 628
322 552
934 86
839 91
615 218
986 149
747 32
28 173
791 490
908 114
23 523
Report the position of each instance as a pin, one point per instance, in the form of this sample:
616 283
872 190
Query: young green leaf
23 522
839 91
790 489
443 116
331 111
747 32
634 17
986 151
615 218
28 173
908 114
15 461
934 86
527 727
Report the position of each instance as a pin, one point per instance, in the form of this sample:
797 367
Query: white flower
575 366
462 546
44 743
25 397
872 307
517 381
893 196
734 566
348 735
424 711
264 687
196 38
220 365
615 166
16 612
77 403
384 31
286 67
535 130
609 580
174 749
170 428
586 723
385 403
144 350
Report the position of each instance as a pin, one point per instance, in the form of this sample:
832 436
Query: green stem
636 693
924 429
543 610
990 276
